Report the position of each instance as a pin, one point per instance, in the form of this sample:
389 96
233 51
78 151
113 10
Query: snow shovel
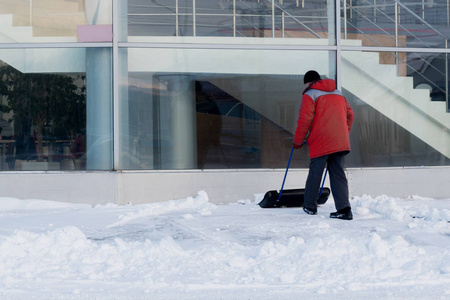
292 198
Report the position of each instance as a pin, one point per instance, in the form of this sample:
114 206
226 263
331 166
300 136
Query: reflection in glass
401 113
54 21
176 115
47 109
415 23
208 121
223 18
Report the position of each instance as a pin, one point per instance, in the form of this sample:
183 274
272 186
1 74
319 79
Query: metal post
351 9
338 70
375 11
193 18
396 33
448 13
282 24
345 19
273 18
423 9
396 24
177 25
446 77
234 18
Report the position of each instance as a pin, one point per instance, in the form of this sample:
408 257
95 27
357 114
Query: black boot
310 211
344 214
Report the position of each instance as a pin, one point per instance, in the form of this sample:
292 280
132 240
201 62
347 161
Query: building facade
138 101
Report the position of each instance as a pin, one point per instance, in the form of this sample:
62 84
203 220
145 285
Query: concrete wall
222 186
79 187
433 182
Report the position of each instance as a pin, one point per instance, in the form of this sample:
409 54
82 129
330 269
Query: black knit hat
311 76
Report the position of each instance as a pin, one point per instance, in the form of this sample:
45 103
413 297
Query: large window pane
383 23
56 109
53 21
206 109
222 18
401 113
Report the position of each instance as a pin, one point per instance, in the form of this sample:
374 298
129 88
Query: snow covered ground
193 249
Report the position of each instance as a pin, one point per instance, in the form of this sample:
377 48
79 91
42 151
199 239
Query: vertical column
121 99
99 109
122 114
182 122
99 112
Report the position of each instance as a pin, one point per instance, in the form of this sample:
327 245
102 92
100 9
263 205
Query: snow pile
383 205
193 248
389 208
201 204
12 204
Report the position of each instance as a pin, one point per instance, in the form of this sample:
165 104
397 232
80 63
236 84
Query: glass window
223 18
400 108
55 21
208 109
383 23
56 111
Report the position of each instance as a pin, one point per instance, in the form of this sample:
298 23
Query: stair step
6 20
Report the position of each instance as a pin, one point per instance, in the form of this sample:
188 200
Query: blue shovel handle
285 174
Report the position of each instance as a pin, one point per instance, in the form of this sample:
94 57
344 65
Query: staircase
40 18
50 60
14 28
25 34
394 96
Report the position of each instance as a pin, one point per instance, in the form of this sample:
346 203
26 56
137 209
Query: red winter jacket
326 115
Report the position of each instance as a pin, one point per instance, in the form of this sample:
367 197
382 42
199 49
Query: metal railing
397 5
276 11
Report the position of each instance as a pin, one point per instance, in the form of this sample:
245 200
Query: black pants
338 180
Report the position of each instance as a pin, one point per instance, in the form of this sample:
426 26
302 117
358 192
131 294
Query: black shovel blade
290 198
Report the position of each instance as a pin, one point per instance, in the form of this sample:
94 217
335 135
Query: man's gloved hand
297 146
